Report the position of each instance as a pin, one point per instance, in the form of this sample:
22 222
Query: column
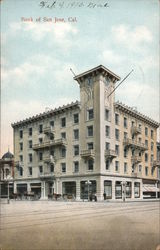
15 187
100 188
132 189
113 189
28 187
78 190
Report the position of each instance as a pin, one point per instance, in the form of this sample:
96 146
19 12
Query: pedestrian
95 197
104 195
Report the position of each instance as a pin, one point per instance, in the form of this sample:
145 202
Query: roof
133 112
99 68
7 155
49 113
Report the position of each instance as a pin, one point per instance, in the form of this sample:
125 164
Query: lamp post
8 179
88 183
124 183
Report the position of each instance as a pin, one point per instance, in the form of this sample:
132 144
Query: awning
150 188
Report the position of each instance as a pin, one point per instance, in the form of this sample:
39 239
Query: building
93 146
6 173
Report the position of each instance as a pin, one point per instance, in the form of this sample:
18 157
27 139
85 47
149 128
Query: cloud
59 33
131 38
110 57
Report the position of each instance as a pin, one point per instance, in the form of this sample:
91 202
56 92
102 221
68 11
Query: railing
47 144
48 130
87 153
156 163
49 158
110 153
46 175
134 143
136 158
136 130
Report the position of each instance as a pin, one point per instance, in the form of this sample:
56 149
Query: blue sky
36 56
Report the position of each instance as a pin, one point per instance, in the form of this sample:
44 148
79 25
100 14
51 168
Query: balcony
136 159
134 144
135 130
48 130
156 163
110 153
49 159
48 144
47 175
88 153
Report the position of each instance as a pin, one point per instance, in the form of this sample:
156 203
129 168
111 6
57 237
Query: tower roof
100 69
7 155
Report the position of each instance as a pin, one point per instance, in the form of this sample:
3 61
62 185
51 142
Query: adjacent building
93 146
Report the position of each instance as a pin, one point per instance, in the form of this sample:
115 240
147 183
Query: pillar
78 190
113 189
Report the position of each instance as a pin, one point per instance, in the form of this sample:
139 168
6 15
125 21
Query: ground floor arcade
80 188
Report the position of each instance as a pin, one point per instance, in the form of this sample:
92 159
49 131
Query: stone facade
95 146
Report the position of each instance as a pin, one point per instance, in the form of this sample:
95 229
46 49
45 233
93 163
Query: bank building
94 145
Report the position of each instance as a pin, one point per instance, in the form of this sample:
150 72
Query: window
152 146
107 145
108 189
21 134
90 145
52 124
21 146
139 139
63 167
146 131
107 115
90 114
140 168
30 144
90 130
125 167
30 170
107 164
76 167
117 149
63 152
30 157
41 128
40 140
40 156
52 168
146 157
21 171
76 118
125 152
30 131
125 135
146 171
117 134
76 134
146 143
76 150
107 131
152 171
90 165
51 137
116 119
41 169
63 135
151 133
63 122
125 122
152 158
52 152
21 158
132 123
118 190
116 166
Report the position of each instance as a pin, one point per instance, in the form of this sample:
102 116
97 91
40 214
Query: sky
36 55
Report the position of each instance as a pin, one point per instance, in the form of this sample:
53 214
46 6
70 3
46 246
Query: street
27 225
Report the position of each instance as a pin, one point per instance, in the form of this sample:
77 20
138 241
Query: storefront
87 189
108 189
